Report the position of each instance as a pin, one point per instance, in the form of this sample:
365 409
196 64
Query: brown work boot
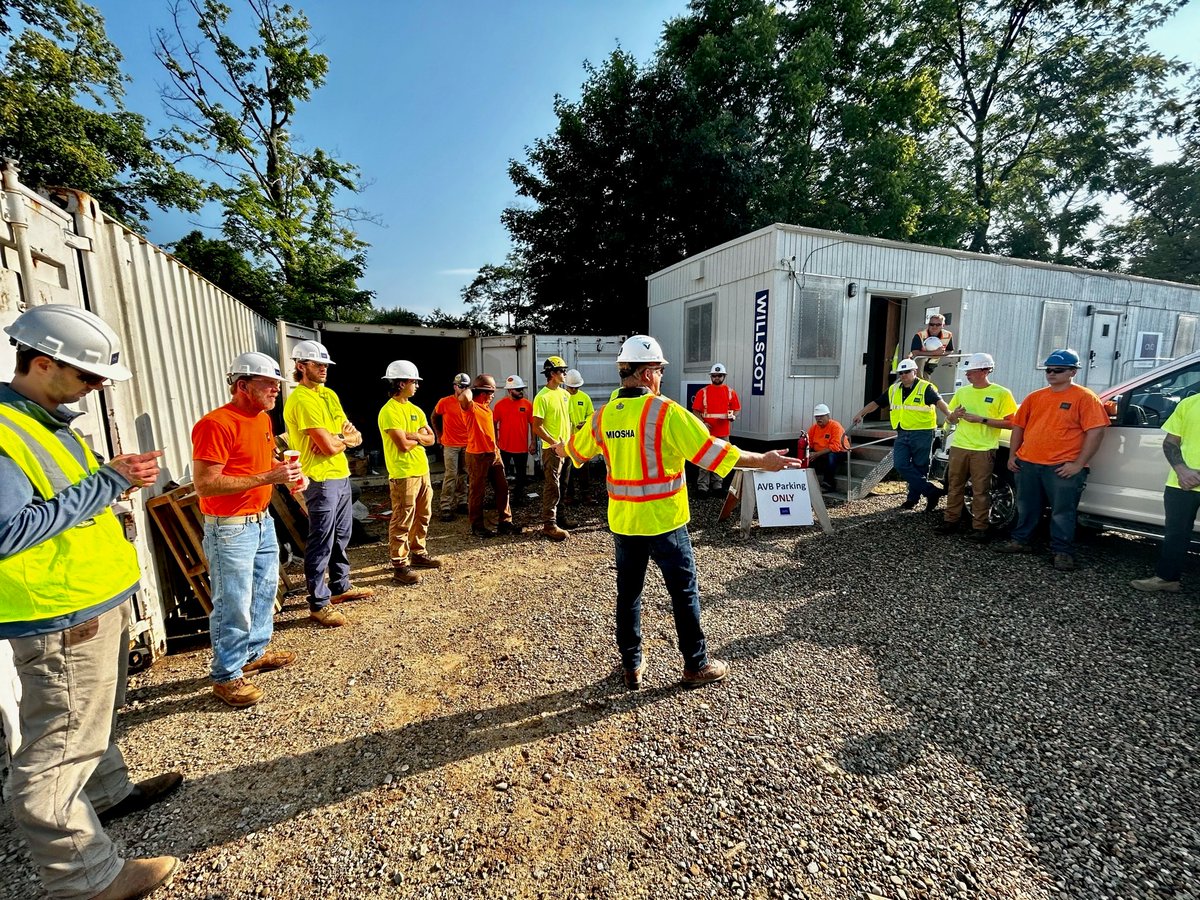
553 532
329 617
138 877
270 661
353 594
509 528
633 677
716 670
145 793
405 575
421 561
238 693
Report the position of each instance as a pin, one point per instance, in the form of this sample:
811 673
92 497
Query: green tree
236 107
226 267
62 116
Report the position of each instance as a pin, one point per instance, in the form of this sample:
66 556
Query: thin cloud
458 271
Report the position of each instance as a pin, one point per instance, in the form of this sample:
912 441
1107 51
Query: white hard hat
73 336
311 351
256 364
573 378
932 343
718 369
641 348
401 369
514 383
980 361
906 365
820 410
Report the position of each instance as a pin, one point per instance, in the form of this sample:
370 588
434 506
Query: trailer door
916 315
1102 351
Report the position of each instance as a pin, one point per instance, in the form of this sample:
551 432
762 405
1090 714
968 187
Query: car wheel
1003 514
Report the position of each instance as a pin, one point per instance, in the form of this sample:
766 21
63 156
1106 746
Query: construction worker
67 573
1055 432
552 423
931 343
981 410
450 427
717 405
235 471
319 429
645 439
1181 497
577 485
513 415
827 446
483 459
405 435
912 403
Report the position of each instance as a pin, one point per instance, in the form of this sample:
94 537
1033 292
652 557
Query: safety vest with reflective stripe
910 414
645 441
86 565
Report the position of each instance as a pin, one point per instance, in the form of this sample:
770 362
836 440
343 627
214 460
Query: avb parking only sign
782 498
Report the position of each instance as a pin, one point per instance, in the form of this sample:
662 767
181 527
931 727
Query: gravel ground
908 717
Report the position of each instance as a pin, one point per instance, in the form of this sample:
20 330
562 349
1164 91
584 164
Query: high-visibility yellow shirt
315 407
1184 423
908 409
402 415
82 567
645 441
580 407
991 402
550 405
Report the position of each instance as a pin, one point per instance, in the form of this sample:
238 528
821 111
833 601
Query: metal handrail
850 467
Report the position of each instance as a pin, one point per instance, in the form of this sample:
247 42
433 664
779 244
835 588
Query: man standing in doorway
513 415
67 573
717 405
1056 431
235 471
923 348
981 411
319 429
912 404
552 423
450 427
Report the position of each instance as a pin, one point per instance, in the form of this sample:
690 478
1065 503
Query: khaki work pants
68 767
976 465
552 465
412 505
454 479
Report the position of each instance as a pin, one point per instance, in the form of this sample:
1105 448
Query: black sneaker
978 535
932 499
509 528
945 527
910 504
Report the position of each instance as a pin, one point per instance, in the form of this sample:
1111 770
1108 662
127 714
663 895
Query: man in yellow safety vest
67 573
645 439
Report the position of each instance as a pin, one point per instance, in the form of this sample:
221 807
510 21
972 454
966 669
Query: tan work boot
238 693
553 532
1154 583
329 617
405 575
716 670
138 877
421 561
353 594
270 661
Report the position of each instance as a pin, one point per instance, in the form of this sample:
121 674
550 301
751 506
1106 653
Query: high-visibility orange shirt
454 421
831 437
1054 424
244 445
481 428
514 424
713 403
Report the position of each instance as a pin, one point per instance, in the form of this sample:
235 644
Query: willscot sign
758 383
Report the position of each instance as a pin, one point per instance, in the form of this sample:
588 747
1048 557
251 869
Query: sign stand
745 487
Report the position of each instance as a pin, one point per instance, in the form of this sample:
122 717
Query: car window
1150 404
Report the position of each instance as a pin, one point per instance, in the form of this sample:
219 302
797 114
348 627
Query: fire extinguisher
802 450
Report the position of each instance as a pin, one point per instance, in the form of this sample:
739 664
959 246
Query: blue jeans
1038 486
827 465
910 456
1179 508
329 524
672 553
243 566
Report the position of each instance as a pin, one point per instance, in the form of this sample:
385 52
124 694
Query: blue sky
431 100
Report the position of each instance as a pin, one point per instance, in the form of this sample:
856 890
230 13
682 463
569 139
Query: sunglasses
1058 370
88 378
484 390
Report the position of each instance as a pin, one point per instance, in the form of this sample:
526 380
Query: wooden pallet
177 515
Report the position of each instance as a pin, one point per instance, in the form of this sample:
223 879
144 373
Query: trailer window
1056 328
698 322
817 327
1185 336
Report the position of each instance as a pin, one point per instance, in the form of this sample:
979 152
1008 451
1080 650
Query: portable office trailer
802 316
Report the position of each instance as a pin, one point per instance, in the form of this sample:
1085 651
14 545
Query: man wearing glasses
319 429
484 464
67 573
922 346
1056 431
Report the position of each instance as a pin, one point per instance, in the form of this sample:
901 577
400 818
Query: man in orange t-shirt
449 421
234 470
1056 431
514 433
827 446
717 405
483 459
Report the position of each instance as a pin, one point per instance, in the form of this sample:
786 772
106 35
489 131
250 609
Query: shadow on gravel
337 772
1074 693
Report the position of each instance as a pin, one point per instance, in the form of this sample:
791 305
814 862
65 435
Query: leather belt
236 520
